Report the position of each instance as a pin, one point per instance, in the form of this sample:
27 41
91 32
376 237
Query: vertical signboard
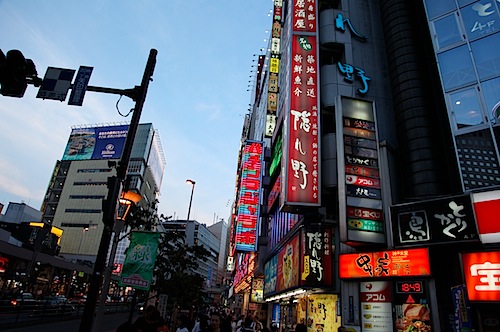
140 260
249 196
316 256
361 217
322 313
271 276
288 265
301 168
257 294
482 275
411 306
376 306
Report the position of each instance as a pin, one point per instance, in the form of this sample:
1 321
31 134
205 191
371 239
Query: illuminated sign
271 276
486 207
257 295
482 275
288 265
316 256
389 263
376 306
249 196
304 16
274 193
409 287
441 220
96 143
276 156
360 188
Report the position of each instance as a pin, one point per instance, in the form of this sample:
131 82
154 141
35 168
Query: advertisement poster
322 313
376 306
288 265
462 319
270 276
96 143
257 295
140 260
411 306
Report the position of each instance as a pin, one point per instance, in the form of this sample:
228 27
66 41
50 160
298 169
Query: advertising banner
482 275
411 306
322 313
389 263
461 305
139 263
96 143
288 265
486 206
376 306
271 276
257 295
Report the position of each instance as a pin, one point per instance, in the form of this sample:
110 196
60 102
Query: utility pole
138 94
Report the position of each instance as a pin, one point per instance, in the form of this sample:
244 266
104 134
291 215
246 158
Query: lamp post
138 94
191 199
84 229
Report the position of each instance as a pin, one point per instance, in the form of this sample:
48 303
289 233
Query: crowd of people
152 321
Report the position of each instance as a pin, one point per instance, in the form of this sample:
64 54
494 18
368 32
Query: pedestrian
182 323
215 322
151 321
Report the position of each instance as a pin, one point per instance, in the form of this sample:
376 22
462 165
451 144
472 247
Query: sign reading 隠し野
140 260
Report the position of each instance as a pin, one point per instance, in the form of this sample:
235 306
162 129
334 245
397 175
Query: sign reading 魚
249 196
482 275
389 263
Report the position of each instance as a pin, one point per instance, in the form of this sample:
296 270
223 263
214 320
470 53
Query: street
110 323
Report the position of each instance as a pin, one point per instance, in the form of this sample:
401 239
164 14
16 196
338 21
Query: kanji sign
482 275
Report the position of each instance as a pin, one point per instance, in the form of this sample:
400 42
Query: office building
369 168
79 183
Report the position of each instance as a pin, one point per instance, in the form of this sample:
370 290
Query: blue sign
96 143
80 86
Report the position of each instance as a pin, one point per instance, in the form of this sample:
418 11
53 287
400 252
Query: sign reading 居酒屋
388 263
249 197
482 275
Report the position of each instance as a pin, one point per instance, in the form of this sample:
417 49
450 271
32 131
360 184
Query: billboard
249 196
288 265
486 206
96 143
388 263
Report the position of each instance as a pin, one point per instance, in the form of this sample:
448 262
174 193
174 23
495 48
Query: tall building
79 183
369 168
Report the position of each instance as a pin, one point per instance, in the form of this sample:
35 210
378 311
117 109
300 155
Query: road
110 323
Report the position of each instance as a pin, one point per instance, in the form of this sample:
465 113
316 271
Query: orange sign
482 275
389 263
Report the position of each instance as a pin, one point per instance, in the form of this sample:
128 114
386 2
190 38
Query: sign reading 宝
482 275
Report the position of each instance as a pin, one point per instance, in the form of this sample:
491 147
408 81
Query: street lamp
191 199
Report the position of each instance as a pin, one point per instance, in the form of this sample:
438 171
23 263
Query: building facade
369 168
75 194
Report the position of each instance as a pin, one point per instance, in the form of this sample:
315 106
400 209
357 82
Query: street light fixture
191 199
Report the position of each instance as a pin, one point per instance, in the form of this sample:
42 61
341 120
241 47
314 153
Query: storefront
298 282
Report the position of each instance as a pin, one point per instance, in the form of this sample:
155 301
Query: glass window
487 56
480 19
436 8
456 68
466 108
462 3
447 31
491 93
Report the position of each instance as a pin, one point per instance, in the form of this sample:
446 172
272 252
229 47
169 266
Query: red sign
389 263
362 181
302 185
486 207
360 170
249 196
482 275
288 265
304 16
365 213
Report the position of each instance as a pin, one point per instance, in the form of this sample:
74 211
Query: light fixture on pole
191 199
127 200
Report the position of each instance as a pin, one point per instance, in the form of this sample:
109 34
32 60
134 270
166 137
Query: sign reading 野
316 258
249 196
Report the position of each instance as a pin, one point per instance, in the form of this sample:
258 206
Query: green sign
140 260
365 225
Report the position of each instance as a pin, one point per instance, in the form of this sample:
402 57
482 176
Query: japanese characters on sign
389 263
257 295
316 256
288 265
376 306
441 220
249 196
304 16
321 312
482 275
271 276
361 199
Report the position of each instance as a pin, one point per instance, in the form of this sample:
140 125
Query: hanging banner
140 260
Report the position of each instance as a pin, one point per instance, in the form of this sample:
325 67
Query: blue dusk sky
197 100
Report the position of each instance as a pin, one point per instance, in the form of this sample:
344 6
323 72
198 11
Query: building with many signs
368 179
75 194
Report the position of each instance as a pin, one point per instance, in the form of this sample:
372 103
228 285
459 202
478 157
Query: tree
174 270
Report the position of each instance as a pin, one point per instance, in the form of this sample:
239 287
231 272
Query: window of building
447 31
83 211
462 3
438 8
456 68
94 170
480 19
487 56
492 98
86 196
466 108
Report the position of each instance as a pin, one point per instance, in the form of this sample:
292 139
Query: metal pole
113 194
191 199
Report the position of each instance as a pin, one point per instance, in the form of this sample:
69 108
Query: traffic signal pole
138 94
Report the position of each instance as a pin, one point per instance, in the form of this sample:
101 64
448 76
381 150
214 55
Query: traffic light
15 71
